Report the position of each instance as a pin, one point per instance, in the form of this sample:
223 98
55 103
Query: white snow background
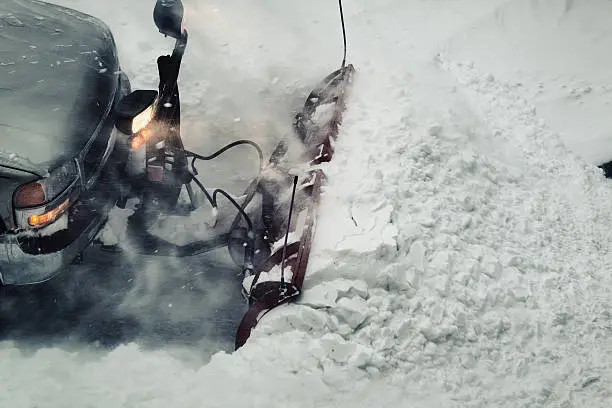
461 256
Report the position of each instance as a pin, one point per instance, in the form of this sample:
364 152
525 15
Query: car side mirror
168 17
135 111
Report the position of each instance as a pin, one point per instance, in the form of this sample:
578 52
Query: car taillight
47 188
29 195
43 201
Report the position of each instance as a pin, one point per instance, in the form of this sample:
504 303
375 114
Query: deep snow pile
461 259
495 291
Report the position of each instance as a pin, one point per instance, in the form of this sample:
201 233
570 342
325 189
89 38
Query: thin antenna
295 180
343 32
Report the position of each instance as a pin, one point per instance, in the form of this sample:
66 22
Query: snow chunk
327 293
354 311
336 348
492 267
417 256
399 276
319 296
373 230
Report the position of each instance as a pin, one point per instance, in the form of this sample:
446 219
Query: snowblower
271 235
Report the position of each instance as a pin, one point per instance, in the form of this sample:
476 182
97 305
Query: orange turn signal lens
49 216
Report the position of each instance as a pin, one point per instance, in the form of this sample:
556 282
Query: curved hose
196 156
231 200
213 199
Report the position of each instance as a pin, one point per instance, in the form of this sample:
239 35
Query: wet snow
461 257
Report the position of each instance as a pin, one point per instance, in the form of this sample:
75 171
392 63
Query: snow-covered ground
461 259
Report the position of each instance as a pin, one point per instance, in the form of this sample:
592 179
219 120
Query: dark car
60 153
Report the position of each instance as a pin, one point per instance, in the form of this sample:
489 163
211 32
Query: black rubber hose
208 197
231 200
213 201
226 148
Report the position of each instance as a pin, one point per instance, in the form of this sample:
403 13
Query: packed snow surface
461 257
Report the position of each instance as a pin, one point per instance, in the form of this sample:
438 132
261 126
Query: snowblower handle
169 77
180 45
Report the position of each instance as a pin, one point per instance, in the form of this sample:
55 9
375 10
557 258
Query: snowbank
461 258
487 283
557 53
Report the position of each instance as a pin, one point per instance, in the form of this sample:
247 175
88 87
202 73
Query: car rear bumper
18 267
27 259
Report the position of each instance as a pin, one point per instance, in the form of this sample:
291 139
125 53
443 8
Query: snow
564 72
461 257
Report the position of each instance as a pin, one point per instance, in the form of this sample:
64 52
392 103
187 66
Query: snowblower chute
271 235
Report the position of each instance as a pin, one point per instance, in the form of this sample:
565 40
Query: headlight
48 188
141 120
142 127
135 111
